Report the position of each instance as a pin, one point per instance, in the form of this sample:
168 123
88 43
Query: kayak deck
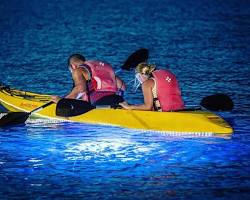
181 121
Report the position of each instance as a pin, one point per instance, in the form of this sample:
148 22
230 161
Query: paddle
13 118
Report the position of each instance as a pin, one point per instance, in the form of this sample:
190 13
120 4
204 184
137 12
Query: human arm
79 86
148 98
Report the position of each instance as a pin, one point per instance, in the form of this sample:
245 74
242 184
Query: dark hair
76 56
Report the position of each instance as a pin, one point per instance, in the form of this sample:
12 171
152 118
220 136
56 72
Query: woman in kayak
93 81
160 90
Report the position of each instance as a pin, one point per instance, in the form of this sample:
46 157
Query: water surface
205 43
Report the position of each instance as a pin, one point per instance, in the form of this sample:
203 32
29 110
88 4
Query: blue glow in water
76 160
205 43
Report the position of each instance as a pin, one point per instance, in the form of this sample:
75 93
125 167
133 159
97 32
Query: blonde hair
145 68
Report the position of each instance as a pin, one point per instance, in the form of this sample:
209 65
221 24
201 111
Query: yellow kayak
175 122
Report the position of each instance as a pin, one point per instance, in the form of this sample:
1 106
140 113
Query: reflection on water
112 150
109 160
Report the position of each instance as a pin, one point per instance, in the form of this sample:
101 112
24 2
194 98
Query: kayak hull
181 121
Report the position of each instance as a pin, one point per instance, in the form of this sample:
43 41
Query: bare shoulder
80 72
148 83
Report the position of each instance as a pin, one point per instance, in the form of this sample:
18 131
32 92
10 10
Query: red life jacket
102 79
168 91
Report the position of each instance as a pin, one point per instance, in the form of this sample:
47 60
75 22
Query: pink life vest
102 79
168 91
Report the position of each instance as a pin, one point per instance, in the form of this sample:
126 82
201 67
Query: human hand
55 99
125 105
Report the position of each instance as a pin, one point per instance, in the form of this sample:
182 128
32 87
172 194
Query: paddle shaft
41 107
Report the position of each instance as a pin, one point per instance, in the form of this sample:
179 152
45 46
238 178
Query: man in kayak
160 89
94 81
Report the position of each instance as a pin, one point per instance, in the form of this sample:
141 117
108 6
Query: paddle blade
141 55
72 107
13 118
217 102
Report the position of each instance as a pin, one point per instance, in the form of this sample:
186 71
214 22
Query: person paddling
160 90
93 81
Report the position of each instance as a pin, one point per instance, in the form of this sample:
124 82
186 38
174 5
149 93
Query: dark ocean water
205 43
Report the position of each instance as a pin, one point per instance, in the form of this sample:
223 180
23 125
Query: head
75 60
144 71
